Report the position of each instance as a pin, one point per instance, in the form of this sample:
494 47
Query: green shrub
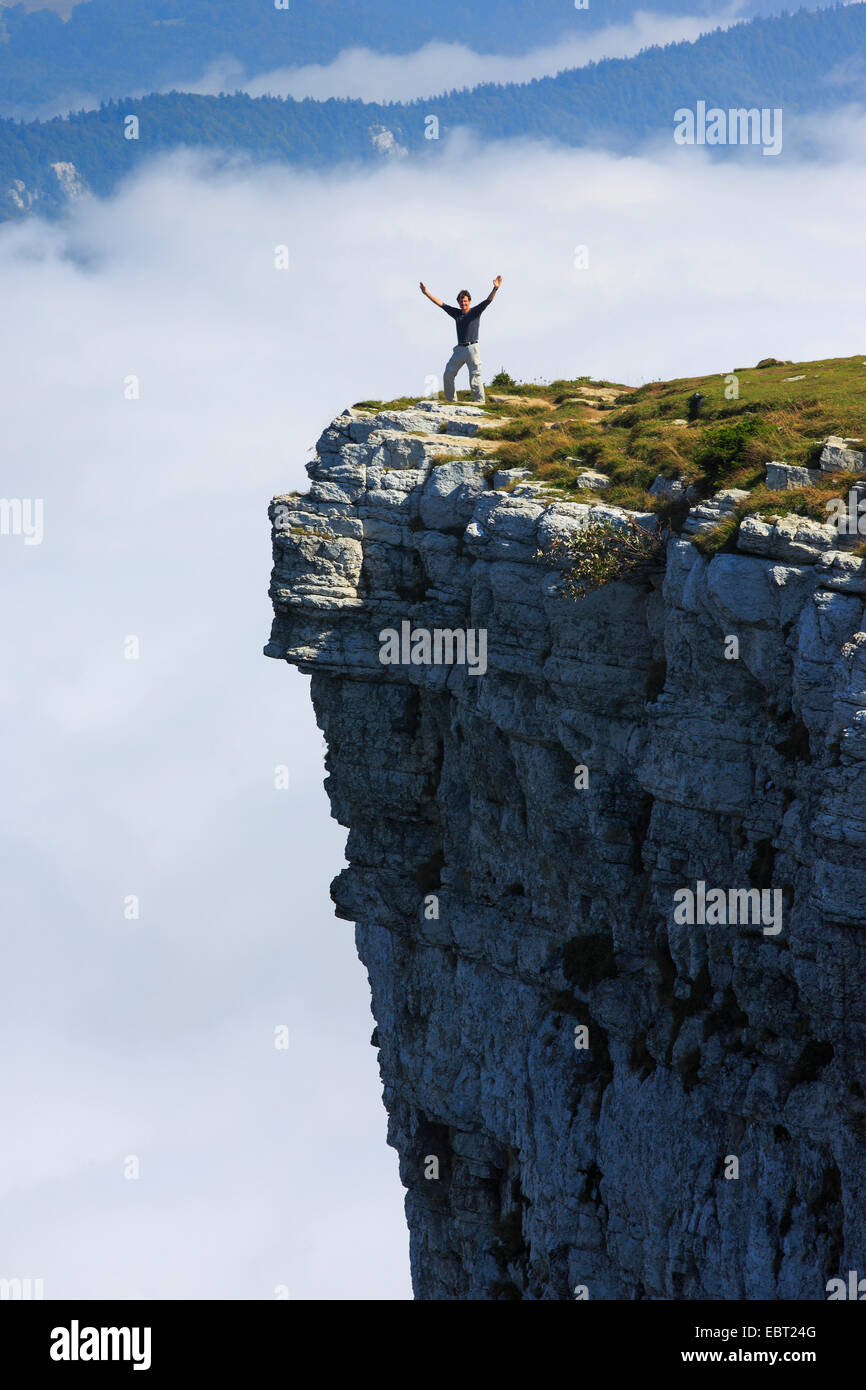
632 474
728 447
602 553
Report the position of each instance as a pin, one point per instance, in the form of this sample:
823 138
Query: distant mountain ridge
786 62
110 48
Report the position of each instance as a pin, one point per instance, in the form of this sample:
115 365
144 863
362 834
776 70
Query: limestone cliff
511 908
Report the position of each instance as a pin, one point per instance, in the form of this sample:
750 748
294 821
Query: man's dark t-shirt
467 324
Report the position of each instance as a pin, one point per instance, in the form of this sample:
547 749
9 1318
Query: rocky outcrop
785 477
837 457
71 183
53 190
597 1086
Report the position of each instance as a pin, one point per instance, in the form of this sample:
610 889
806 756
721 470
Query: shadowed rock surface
603 1166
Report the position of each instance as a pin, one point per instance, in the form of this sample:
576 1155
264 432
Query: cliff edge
607 871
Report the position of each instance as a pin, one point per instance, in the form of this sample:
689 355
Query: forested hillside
786 62
110 48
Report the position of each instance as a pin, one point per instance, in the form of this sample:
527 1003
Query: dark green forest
787 61
110 48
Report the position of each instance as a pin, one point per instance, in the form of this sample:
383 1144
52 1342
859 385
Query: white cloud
441 67
155 777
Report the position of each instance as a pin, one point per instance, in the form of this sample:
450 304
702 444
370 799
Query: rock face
591 481
593 1091
667 487
837 457
51 192
786 476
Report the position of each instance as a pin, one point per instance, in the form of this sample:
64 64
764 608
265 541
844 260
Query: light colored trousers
468 356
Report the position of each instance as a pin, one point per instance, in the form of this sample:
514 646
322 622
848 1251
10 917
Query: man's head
464 299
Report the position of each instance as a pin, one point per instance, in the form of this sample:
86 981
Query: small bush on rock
603 552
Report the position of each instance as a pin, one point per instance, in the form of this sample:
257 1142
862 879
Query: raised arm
424 290
485 303
492 295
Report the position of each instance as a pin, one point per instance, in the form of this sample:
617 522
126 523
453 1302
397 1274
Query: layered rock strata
590 1094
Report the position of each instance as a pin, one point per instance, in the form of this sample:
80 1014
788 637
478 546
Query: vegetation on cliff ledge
708 432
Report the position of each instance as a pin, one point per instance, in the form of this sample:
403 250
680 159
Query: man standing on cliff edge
466 353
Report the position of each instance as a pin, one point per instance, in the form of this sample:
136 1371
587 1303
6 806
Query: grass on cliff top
780 411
